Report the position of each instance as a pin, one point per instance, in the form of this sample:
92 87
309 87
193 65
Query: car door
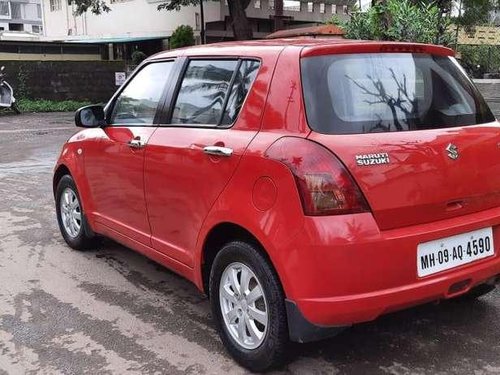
189 161
115 165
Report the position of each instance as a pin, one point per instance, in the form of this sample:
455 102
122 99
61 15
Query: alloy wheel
243 305
71 213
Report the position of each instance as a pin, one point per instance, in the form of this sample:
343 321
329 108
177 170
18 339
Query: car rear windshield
389 92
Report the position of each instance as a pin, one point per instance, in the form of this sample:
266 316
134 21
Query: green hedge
29 105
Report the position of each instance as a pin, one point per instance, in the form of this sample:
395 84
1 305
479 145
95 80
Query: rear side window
212 92
366 93
243 80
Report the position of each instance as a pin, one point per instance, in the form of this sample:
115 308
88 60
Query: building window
334 8
55 5
271 4
4 9
345 9
322 8
16 27
292 6
37 29
197 21
16 10
39 11
310 7
257 4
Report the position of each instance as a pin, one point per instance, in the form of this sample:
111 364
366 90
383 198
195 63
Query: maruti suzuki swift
304 185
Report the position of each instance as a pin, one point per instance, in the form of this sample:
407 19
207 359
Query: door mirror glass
91 116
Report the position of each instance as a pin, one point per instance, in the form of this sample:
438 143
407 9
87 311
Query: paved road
114 311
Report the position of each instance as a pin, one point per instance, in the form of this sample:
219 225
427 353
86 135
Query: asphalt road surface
114 311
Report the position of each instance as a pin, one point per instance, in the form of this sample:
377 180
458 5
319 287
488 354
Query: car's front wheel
70 216
248 305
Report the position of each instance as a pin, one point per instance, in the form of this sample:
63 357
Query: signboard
120 78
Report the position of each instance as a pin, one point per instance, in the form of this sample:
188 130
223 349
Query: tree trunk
242 28
278 15
202 21
384 18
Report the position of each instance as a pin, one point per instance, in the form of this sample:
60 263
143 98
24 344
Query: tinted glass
364 93
138 102
242 82
203 92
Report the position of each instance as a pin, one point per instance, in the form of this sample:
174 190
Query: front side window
138 102
387 92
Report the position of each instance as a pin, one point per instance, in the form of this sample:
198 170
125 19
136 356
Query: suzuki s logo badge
452 151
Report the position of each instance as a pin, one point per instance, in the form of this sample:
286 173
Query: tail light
325 187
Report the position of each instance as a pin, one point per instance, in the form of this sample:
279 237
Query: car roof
310 47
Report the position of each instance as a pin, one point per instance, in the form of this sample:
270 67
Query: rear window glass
367 93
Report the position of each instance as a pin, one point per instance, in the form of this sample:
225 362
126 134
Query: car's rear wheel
70 216
248 305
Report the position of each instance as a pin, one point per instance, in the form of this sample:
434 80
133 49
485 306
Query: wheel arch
59 173
217 237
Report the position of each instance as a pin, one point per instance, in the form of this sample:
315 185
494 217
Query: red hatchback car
304 185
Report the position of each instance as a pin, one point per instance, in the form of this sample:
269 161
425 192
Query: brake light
325 186
403 47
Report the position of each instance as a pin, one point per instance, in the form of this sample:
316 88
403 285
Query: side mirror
91 116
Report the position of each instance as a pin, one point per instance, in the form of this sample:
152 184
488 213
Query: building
261 12
138 25
21 15
130 25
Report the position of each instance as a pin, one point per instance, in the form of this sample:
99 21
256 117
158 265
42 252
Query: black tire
85 239
272 351
15 108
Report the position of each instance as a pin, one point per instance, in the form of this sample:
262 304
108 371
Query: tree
237 10
463 13
389 20
183 36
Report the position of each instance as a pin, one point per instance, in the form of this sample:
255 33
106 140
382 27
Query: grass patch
41 105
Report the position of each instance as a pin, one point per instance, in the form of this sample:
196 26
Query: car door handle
218 151
136 143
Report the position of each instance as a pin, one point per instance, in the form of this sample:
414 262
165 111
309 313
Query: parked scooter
7 99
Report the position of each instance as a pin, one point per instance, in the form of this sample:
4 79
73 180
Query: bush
41 105
138 57
478 60
399 20
183 36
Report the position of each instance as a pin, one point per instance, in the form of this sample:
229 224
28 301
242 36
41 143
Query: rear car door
190 160
412 129
115 167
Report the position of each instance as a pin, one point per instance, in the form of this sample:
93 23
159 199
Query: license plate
450 252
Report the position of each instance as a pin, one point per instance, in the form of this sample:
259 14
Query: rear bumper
363 308
339 278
